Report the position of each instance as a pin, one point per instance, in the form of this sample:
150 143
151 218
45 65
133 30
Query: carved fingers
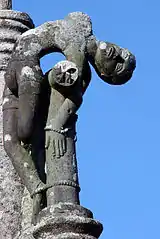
48 139
59 147
56 143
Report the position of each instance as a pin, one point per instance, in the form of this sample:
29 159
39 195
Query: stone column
12 24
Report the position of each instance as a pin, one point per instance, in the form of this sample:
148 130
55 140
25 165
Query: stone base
67 221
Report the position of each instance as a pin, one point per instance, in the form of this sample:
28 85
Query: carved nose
132 62
129 59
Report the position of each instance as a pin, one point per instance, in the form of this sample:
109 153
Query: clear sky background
118 147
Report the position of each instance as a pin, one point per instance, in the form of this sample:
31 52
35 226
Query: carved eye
119 67
71 70
110 51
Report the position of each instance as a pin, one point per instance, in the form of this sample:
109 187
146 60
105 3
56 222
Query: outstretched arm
68 108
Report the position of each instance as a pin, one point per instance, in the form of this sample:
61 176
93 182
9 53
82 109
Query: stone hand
57 143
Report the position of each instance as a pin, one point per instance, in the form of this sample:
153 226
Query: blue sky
118 147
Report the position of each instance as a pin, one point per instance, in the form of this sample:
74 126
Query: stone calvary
39 118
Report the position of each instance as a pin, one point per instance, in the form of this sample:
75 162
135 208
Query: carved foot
37 199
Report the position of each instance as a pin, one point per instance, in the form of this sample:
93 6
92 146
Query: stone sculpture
35 104
12 25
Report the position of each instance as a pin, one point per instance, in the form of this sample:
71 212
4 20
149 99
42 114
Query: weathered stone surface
26 216
67 221
12 24
69 235
5 4
61 167
74 38
24 104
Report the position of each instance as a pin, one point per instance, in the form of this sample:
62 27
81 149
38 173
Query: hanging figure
27 91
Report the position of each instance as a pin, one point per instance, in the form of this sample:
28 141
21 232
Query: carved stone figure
32 99
12 25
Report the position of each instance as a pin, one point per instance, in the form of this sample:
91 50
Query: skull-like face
114 64
63 74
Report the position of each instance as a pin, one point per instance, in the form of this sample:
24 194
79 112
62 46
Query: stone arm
68 108
65 81
40 41
60 125
73 102
67 78
24 76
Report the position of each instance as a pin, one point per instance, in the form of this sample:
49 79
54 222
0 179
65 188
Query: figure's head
115 65
63 75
